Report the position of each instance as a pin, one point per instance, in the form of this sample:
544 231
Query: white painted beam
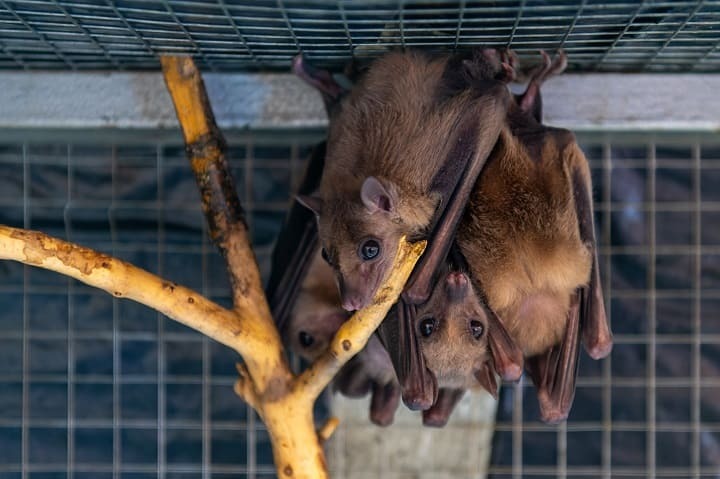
580 102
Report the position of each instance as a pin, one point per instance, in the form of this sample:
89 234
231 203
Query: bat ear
313 203
506 355
486 378
375 196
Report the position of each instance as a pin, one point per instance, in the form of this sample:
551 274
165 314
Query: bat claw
511 372
551 412
599 350
432 418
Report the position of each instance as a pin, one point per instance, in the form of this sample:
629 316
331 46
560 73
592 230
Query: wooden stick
285 403
286 406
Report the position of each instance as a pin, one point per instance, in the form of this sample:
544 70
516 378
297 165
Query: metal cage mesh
230 35
93 386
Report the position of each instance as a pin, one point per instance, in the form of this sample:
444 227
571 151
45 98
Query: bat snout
352 303
456 285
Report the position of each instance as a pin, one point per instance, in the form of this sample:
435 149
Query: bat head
359 239
316 315
453 329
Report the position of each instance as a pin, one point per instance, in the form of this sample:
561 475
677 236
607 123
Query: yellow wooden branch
354 334
285 406
285 403
124 280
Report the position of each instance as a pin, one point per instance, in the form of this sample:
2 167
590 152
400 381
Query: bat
313 321
528 238
404 150
303 297
460 339
412 134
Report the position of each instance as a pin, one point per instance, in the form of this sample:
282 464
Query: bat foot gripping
439 413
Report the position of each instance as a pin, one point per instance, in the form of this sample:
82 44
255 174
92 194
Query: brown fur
452 353
520 236
393 126
317 312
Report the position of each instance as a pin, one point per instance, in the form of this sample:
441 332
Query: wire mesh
93 386
648 410
230 35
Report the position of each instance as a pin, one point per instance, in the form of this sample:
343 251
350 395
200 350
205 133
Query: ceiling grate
227 35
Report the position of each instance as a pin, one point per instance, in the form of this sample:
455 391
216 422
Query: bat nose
456 285
352 303
457 278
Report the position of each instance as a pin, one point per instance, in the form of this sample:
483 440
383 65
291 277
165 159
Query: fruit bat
528 239
404 150
306 306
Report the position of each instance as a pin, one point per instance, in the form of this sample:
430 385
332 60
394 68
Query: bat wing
554 373
295 246
476 138
439 413
417 382
596 334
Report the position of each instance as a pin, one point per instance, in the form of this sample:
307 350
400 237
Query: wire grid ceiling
96 387
230 35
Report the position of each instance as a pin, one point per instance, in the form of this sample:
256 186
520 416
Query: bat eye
427 327
477 329
369 250
306 340
324 254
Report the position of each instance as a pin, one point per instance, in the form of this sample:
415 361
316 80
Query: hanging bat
414 131
315 318
303 297
528 239
404 150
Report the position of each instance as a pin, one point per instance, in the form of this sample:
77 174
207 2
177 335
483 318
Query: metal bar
699 5
87 35
130 28
162 344
70 327
116 340
461 14
285 16
188 36
651 386
346 27
239 33
25 428
573 23
607 424
515 25
517 429
695 403
39 35
628 24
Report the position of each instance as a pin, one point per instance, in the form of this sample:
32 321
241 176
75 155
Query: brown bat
404 150
528 238
414 131
303 297
314 320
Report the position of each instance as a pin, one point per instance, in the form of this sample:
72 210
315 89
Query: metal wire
618 35
647 409
92 385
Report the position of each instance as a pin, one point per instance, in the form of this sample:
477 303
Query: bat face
315 318
453 330
359 240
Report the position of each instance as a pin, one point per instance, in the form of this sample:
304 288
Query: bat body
313 321
398 146
527 236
